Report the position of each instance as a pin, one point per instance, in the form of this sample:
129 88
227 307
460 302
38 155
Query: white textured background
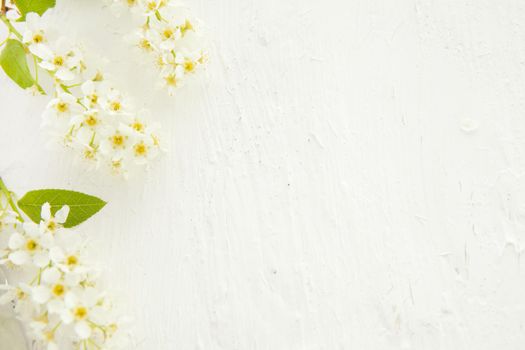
347 174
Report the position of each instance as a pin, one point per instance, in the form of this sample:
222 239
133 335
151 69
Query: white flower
64 106
35 34
45 332
85 106
150 7
67 255
52 287
114 103
19 294
79 307
52 223
172 78
62 305
165 35
30 247
92 91
115 140
61 60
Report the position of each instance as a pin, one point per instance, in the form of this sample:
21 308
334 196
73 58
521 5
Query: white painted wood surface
347 174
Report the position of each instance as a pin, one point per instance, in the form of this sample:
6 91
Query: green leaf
14 63
38 6
82 206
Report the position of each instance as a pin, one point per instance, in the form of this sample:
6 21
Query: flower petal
83 330
51 275
61 215
19 257
45 213
41 294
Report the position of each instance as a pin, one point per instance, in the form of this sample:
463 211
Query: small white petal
56 306
88 88
32 20
83 330
56 254
65 74
61 215
16 241
51 275
47 65
41 294
45 213
66 316
27 36
71 299
41 259
32 230
19 258
44 52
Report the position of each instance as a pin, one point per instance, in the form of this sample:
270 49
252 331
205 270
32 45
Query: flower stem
11 28
9 197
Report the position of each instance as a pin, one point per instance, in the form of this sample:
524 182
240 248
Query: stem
3 10
11 28
35 62
9 198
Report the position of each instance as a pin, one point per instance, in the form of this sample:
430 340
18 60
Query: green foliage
82 206
14 63
38 6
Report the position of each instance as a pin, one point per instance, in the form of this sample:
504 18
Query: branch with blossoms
60 301
86 112
167 34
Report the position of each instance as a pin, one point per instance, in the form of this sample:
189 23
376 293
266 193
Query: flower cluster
168 35
61 303
87 113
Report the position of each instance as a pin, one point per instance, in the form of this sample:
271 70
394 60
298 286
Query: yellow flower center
189 66
62 107
138 126
91 120
51 225
152 5
131 2
145 44
20 294
167 33
31 245
115 106
90 153
72 260
59 290
49 336
116 164
93 98
38 38
171 80
80 313
58 61
140 149
117 140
